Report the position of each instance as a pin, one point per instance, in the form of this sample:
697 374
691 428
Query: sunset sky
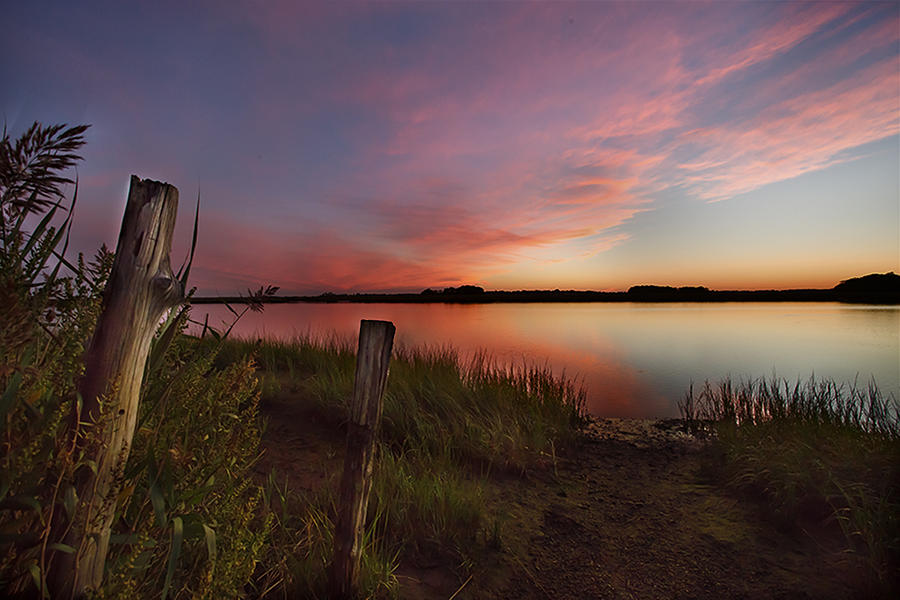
393 146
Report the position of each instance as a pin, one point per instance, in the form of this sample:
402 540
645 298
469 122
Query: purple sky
396 146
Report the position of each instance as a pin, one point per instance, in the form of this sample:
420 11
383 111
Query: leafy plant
193 523
189 521
48 320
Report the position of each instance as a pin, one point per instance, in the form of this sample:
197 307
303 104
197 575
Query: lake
634 360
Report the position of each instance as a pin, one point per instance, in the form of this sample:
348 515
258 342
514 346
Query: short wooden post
140 289
376 339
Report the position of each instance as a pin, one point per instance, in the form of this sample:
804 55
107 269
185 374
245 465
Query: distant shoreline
870 289
539 296
531 296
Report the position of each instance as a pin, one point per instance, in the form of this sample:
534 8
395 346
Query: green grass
302 545
477 413
813 452
448 426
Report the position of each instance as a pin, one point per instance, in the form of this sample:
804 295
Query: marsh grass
448 426
426 509
476 412
816 453
302 546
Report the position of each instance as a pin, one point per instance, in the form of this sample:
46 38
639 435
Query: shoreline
551 297
541 297
869 289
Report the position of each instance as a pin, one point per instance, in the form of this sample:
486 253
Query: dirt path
627 515
630 516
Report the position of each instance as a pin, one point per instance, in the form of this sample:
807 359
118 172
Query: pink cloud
796 136
796 25
807 131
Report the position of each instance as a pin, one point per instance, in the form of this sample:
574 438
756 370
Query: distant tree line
872 289
882 287
451 291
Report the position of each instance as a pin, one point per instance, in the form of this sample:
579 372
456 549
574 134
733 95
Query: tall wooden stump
140 289
376 339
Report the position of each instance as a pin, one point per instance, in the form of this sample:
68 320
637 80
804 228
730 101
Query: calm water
635 360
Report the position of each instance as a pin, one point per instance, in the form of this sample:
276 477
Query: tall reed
814 402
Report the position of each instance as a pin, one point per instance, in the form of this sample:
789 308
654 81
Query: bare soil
630 513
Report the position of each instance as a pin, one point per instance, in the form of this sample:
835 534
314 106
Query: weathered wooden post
140 289
373 357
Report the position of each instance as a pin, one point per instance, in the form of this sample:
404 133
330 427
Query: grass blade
185 269
174 554
210 535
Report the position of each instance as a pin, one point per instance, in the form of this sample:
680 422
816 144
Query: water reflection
635 360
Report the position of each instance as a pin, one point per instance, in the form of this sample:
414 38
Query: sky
394 146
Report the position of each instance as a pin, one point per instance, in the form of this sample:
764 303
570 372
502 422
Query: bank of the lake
876 288
606 508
